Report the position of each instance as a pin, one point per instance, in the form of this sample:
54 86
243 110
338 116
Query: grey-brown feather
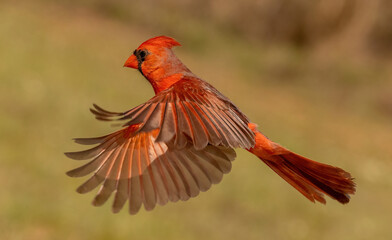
146 172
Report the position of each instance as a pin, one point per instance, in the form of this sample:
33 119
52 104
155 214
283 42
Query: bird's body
181 141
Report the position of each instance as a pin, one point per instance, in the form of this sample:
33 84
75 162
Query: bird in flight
182 141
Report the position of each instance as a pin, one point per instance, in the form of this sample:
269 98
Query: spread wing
144 171
190 110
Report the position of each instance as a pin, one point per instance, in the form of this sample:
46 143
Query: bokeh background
316 75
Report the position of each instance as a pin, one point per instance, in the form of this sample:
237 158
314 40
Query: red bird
182 140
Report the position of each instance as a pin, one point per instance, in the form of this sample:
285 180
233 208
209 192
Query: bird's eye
142 54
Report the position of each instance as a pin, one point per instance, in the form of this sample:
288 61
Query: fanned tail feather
313 179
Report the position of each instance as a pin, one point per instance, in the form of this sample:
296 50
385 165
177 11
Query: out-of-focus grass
56 61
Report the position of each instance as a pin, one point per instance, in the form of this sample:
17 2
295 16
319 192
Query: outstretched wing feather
136 167
190 111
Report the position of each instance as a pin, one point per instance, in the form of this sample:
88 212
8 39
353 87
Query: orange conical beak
131 62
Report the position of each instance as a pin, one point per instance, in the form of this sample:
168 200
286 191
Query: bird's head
155 59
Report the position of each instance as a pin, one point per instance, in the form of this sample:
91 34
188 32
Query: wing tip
73 155
70 173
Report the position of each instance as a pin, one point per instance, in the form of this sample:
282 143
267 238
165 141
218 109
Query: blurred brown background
316 76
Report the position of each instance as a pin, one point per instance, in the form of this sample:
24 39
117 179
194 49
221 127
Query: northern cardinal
182 140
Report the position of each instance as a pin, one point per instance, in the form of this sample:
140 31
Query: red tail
311 178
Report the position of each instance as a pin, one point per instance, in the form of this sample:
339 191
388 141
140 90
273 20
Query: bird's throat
161 78
164 83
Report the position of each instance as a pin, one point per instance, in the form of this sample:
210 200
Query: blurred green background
315 75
